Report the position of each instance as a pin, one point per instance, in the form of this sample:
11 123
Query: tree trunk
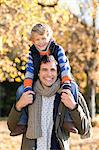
92 101
2 95
90 97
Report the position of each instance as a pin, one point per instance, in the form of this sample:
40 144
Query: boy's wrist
75 107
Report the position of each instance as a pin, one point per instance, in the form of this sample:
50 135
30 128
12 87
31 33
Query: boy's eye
43 38
36 40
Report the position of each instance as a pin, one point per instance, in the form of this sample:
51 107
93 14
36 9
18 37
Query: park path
13 143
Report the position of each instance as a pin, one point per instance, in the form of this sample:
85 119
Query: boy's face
40 41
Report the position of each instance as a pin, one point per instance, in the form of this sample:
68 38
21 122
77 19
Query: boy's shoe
69 126
20 129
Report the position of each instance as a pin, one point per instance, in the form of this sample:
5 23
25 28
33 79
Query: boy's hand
68 99
67 91
25 99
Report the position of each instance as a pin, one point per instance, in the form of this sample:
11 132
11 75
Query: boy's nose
41 40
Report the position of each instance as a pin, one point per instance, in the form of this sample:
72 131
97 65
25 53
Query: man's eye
53 70
44 69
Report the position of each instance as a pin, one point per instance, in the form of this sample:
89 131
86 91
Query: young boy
43 44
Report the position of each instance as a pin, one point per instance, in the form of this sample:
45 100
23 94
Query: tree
88 13
17 19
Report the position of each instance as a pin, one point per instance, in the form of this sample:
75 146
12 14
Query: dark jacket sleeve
80 120
13 118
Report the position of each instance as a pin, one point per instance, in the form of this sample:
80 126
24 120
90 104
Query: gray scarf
34 110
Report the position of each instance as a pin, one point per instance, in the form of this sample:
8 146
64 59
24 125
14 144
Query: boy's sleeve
64 68
29 76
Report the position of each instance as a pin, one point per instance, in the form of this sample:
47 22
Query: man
46 116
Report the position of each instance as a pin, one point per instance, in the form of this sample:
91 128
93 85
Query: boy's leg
21 126
68 124
24 116
19 92
74 90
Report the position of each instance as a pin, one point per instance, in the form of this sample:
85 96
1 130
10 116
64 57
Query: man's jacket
79 115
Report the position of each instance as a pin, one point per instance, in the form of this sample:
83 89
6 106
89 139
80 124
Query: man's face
41 41
48 74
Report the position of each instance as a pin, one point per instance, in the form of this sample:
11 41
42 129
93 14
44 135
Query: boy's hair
41 29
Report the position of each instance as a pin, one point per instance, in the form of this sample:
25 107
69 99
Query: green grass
3 118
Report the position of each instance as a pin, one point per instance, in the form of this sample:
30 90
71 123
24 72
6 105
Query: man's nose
49 73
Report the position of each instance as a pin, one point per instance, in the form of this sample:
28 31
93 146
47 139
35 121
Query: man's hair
48 58
41 29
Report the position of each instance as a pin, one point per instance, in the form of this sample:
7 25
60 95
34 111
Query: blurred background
75 24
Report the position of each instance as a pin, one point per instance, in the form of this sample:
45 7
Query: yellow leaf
22 76
17 79
23 67
17 60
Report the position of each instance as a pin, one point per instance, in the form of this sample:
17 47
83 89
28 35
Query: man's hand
25 99
68 99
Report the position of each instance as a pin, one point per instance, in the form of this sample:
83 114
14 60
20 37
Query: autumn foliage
78 40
